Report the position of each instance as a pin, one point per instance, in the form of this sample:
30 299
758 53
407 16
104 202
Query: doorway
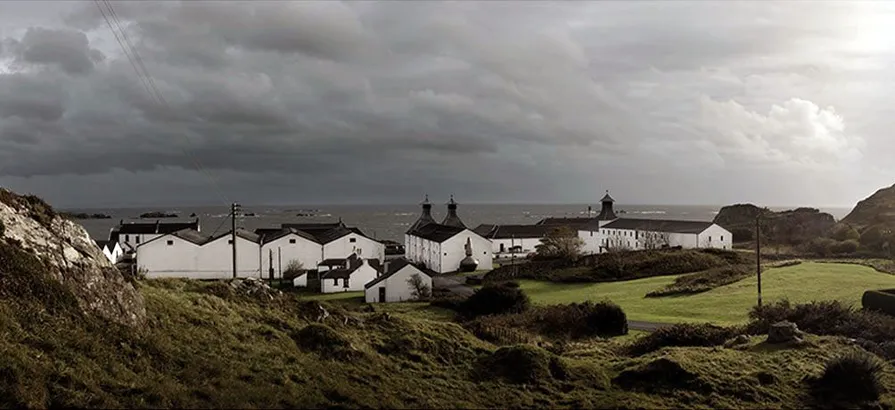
382 294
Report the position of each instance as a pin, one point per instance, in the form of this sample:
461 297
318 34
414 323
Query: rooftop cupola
425 218
452 219
606 212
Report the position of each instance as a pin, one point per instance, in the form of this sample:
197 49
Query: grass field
725 305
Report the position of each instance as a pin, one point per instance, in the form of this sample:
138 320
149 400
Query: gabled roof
325 233
190 235
607 198
352 263
513 231
332 262
270 235
102 244
242 233
394 267
156 227
436 232
659 225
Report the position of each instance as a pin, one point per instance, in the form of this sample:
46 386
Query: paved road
645 326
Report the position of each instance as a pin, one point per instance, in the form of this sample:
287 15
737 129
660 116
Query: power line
147 81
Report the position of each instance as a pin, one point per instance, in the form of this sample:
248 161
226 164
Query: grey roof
352 263
512 231
607 198
270 235
659 225
571 222
156 227
242 233
102 244
425 217
393 268
452 219
192 236
332 262
325 233
436 232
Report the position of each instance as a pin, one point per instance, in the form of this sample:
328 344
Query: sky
670 102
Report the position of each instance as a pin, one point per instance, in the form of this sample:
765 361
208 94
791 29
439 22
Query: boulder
784 332
61 251
737 341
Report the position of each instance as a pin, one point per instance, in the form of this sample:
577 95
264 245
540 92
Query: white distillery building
394 286
508 241
112 250
442 246
351 277
310 244
189 254
608 232
131 234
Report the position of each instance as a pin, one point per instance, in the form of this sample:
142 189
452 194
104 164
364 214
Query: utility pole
758 254
234 208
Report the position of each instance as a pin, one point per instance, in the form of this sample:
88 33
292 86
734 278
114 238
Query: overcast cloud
776 103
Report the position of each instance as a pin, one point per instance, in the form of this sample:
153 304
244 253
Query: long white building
310 244
608 232
441 246
513 240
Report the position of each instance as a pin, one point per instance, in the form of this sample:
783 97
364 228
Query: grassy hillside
205 346
727 304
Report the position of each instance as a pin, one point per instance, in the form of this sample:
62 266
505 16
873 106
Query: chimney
452 219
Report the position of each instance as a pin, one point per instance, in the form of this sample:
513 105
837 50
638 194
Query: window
710 238
335 281
591 233
346 282
722 238
292 241
229 241
138 238
170 242
445 254
352 240
127 238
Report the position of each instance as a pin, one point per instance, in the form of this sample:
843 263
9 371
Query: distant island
84 215
158 215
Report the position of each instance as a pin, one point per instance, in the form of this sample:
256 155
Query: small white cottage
350 278
394 285
513 240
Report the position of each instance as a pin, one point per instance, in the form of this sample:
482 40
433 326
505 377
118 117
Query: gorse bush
681 335
879 301
494 299
579 320
704 281
829 318
854 377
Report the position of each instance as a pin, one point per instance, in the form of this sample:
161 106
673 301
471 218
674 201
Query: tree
293 268
419 288
560 242
651 239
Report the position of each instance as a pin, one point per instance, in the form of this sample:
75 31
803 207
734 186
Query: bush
704 281
829 318
496 299
843 232
683 335
293 269
822 247
879 300
522 364
852 377
846 247
580 320
452 302
641 264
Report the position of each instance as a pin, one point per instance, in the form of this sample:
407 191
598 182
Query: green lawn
728 304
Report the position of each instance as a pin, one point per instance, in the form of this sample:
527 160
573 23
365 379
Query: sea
389 222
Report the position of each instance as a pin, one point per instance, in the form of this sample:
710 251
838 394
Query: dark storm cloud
68 49
500 100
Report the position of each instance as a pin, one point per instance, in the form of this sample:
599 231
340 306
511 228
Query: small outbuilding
395 285
351 278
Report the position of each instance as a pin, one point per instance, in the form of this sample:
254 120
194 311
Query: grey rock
784 332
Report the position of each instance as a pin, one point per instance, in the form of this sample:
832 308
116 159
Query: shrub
879 300
452 302
704 281
822 247
293 269
641 264
495 299
830 318
683 335
851 377
843 232
522 364
846 247
579 320
658 375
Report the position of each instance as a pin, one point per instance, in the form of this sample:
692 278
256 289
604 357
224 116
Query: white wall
592 241
300 281
180 259
453 251
216 258
396 287
344 247
131 241
308 252
360 277
716 237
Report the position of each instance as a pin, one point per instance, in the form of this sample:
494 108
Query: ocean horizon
391 221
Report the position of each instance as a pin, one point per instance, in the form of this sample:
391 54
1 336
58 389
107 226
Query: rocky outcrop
791 226
784 332
42 249
878 209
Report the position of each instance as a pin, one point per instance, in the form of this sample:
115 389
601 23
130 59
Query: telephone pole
234 208
758 254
